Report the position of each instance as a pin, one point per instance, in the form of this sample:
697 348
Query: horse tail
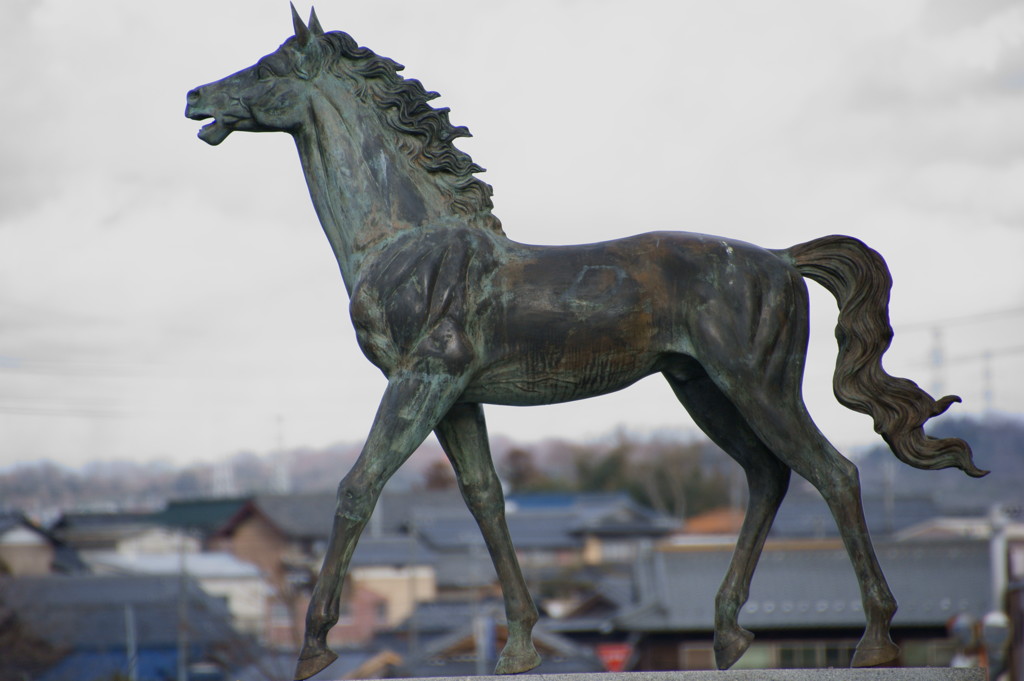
860 281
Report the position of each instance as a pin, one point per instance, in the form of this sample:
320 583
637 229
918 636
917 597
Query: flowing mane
426 134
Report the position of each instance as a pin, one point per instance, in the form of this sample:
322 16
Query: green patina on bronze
457 315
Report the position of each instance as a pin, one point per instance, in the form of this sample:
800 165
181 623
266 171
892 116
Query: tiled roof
97 536
441 517
10 520
444 616
310 516
299 516
555 500
529 530
104 519
548 526
812 585
395 550
717 521
65 558
205 515
206 565
89 612
805 514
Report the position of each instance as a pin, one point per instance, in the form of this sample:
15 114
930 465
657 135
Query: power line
963 319
974 356
987 354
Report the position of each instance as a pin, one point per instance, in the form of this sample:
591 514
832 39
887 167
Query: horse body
456 315
533 325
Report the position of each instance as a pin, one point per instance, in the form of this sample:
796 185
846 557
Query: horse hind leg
767 481
772 405
463 436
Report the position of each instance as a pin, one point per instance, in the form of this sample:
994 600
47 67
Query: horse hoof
873 656
730 647
315 662
517 663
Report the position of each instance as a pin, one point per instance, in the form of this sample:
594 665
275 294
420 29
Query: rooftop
810 584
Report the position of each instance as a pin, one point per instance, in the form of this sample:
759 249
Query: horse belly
557 341
542 378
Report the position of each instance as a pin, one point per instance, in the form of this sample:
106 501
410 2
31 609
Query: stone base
877 674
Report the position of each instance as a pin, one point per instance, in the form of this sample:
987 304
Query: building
238 583
123 533
97 627
28 550
804 604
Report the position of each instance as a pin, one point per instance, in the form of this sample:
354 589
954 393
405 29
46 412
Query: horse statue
457 315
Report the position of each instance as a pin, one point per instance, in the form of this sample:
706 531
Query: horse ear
302 33
314 23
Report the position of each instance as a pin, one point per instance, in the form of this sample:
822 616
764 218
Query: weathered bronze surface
457 315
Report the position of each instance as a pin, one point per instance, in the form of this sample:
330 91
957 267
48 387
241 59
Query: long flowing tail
859 279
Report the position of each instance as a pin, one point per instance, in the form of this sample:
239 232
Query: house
27 549
614 528
362 614
553 534
278 533
720 521
103 626
238 583
401 569
286 535
124 533
463 638
201 518
804 603
420 545
805 514
588 616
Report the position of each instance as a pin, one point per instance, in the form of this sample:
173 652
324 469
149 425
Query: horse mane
427 135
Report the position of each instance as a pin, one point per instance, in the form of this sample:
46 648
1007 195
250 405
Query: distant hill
44 489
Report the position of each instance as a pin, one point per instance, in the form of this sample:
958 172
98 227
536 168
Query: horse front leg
463 435
412 405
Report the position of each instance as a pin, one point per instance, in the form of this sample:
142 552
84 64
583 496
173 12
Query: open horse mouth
215 132
224 122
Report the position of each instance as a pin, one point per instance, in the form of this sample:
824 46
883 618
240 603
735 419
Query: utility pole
986 380
414 625
282 477
998 521
182 613
131 644
938 360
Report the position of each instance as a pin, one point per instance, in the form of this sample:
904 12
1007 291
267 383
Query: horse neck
364 189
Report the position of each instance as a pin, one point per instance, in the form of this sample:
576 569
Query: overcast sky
163 299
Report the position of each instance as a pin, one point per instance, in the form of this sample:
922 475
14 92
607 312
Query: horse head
387 145
267 96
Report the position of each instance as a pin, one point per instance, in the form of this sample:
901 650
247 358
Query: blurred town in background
137 572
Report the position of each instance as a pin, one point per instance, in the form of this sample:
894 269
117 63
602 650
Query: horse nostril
193 96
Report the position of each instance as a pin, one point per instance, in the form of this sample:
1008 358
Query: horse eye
263 72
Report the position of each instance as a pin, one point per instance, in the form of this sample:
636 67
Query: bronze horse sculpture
457 315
